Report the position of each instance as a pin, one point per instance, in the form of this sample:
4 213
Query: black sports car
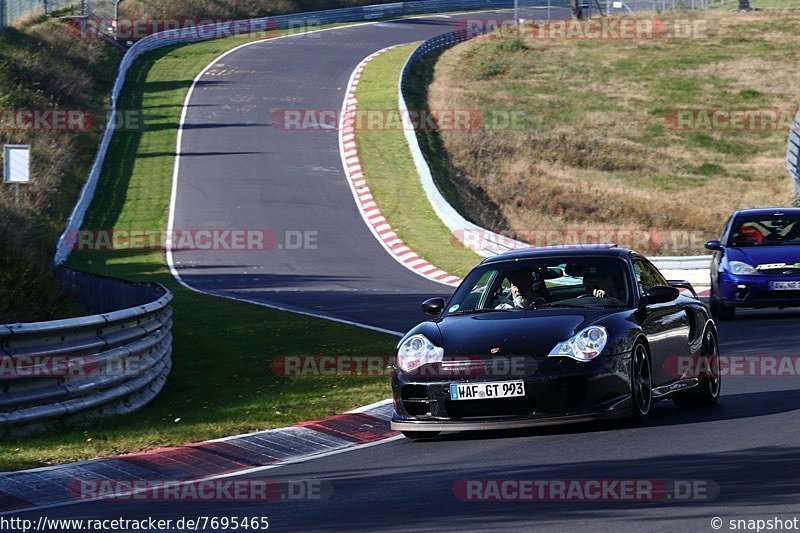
551 336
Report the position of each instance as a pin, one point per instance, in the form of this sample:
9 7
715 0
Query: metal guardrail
482 241
793 155
112 362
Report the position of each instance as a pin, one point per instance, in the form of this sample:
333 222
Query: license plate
486 391
786 285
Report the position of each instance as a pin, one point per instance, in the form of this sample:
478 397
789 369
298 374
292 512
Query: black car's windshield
568 282
778 229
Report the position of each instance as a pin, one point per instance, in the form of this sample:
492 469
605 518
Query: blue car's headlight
584 345
741 269
416 351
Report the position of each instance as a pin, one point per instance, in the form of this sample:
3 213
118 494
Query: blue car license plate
785 285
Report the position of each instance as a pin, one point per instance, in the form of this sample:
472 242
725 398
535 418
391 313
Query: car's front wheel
641 383
417 435
708 389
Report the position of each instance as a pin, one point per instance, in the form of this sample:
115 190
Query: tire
641 383
722 311
708 390
416 435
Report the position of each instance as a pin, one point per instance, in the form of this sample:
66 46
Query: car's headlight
584 345
739 268
416 351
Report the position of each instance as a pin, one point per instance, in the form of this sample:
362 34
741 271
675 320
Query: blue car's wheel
720 310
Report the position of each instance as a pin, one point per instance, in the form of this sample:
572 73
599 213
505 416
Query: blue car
756 262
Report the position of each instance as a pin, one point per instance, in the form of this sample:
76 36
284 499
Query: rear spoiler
682 284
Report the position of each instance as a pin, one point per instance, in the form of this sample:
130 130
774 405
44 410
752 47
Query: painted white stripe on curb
369 210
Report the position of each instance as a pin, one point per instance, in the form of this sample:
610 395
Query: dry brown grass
594 150
43 67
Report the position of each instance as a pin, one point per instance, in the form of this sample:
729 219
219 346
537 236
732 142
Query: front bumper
756 291
558 390
398 424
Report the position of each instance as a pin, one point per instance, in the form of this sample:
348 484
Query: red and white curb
369 210
365 201
55 486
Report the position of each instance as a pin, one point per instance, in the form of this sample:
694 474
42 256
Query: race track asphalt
744 451
237 172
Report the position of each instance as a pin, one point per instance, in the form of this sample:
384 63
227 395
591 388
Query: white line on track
173 196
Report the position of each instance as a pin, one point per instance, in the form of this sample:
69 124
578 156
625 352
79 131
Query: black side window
647 275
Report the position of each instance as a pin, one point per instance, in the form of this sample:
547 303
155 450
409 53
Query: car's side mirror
434 306
661 294
682 284
553 273
714 246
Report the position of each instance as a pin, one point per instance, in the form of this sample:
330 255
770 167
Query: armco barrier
482 241
203 33
64 371
793 155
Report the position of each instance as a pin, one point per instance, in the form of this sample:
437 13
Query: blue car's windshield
773 230
569 282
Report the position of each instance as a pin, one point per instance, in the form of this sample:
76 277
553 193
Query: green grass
221 382
392 176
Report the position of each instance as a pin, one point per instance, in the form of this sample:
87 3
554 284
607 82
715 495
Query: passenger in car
600 285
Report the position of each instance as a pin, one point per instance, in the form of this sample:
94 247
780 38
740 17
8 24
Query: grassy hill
596 143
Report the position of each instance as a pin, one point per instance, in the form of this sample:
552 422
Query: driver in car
523 291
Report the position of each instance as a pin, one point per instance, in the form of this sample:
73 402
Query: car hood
761 255
512 332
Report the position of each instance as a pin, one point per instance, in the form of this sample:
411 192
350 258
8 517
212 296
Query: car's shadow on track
664 414
750 477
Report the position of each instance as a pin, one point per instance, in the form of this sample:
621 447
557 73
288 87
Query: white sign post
16 166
